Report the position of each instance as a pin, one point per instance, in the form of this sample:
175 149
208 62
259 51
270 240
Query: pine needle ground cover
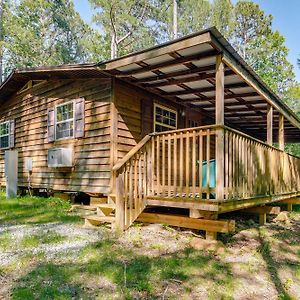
46 253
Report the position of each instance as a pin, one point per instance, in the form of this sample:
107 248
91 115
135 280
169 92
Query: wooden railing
256 169
183 163
131 177
186 164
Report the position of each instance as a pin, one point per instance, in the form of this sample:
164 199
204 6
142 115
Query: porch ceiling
186 75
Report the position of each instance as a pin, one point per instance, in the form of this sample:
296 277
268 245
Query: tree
222 16
250 23
127 25
46 32
193 16
261 47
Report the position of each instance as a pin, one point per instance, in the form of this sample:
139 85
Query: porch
227 163
210 169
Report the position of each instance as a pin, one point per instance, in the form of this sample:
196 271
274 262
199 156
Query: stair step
106 205
97 220
98 200
84 207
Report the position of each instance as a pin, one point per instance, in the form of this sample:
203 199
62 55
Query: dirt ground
57 260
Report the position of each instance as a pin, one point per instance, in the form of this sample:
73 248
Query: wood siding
135 115
91 172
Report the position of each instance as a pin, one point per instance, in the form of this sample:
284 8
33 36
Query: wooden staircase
103 212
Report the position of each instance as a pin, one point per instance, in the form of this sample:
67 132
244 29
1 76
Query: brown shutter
51 124
11 133
79 118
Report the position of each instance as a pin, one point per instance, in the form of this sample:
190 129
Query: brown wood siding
135 115
91 172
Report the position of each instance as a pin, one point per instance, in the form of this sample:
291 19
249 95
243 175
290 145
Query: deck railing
254 169
184 163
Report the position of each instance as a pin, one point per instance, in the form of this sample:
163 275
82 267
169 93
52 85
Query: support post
120 203
281 132
262 218
290 207
270 125
220 131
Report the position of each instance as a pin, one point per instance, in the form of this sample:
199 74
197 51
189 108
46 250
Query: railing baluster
163 165
208 164
175 165
194 164
181 164
158 165
187 164
169 165
200 163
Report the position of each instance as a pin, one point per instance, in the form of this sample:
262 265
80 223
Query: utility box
28 164
60 157
11 173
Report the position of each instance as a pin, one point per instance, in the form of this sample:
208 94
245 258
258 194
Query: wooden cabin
184 125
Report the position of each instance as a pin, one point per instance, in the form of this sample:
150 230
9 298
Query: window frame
55 121
8 135
156 105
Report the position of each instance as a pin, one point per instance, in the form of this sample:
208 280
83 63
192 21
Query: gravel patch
75 238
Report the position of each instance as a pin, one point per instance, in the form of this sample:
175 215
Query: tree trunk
175 16
114 47
1 39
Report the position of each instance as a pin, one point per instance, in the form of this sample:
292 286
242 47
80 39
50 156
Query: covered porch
235 161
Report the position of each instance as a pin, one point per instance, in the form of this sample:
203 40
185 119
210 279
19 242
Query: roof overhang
183 71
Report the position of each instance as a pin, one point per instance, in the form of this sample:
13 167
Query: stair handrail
131 153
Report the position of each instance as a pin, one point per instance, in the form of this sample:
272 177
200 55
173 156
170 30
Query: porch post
270 125
281 132
220 131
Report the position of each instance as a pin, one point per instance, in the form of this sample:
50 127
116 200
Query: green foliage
45 32
30 210
127 25
32 241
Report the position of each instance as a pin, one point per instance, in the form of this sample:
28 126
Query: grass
116 267
32 241
132 275
34 210
6 241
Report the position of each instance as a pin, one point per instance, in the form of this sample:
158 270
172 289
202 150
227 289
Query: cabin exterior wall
91 172
135 115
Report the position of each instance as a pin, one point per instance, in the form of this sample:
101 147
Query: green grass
133 275
34 210
32 241
6 241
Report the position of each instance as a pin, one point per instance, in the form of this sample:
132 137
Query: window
4 135
64 121
164 118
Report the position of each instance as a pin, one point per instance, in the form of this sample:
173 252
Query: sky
286 19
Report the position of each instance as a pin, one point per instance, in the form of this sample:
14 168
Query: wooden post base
262 218
210 235
290 207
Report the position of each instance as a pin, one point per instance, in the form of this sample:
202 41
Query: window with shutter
7 134
66 120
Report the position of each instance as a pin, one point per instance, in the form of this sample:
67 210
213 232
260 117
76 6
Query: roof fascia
157 51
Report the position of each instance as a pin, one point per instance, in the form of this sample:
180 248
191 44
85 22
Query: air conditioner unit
60 157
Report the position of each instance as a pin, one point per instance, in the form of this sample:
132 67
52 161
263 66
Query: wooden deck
182 169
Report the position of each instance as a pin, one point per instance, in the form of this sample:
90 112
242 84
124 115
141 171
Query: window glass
64 121
165 118
4 135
